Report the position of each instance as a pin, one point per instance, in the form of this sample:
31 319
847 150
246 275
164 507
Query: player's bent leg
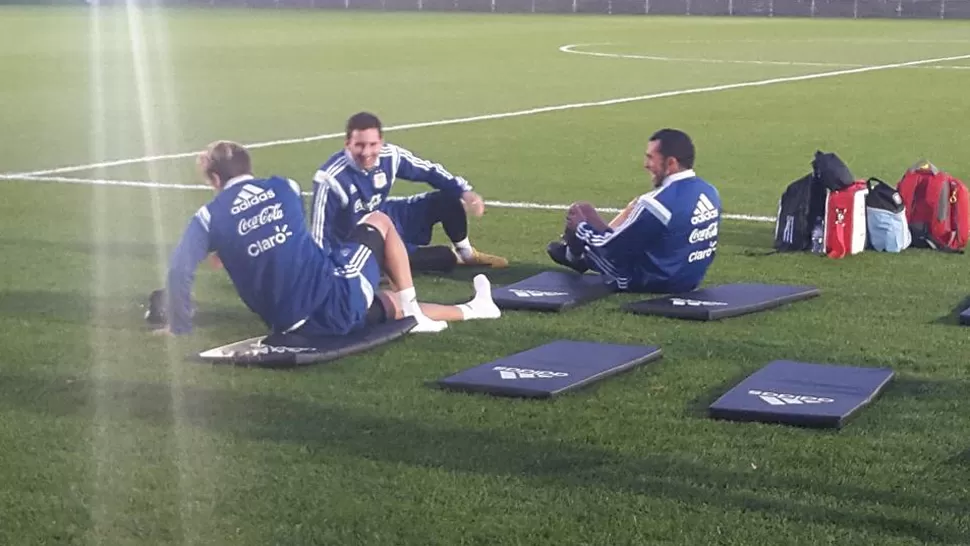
468 254
616 274
391 256
448 209
352 303
433 258
569 250
378 230
480 307
417 215
559 252
413 216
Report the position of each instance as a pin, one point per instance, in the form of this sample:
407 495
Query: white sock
464 248
426 325
408 298
481 306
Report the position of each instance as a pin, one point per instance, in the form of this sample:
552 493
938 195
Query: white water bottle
818 241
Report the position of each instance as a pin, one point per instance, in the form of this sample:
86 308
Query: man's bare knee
379 220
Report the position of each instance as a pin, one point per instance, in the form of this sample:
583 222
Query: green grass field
109 435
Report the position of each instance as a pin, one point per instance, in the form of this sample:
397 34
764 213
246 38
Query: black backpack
831 172
802 206
793 227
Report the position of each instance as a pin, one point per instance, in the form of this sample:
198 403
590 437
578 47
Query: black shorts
367 235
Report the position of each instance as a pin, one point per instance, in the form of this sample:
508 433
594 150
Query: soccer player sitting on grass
256 227
663 241
357 180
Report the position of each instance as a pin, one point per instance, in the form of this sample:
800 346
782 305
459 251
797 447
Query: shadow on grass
112 249
112 312
961 459
953 317
515 272
328 429
697 407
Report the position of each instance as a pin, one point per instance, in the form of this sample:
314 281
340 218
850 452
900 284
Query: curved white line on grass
159 185
571 48
823 41
518 113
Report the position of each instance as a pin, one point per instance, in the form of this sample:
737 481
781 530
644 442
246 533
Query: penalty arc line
517 113
571 48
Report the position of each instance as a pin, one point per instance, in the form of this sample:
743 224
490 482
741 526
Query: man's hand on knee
473 203
584 212
578 213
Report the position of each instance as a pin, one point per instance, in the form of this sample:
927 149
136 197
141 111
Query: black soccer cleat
557 251
155 315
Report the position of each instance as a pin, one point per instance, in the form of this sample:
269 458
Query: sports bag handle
871 186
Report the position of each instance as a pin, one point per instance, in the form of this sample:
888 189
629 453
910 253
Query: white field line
572 48
104 182
833 40
158 185
516 113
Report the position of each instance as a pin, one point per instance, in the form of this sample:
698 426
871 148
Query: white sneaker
482 306
426 325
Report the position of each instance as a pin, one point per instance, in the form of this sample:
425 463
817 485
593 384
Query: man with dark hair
663 241
357 180
256 226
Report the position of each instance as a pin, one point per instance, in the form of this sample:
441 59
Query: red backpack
937 207
845 220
